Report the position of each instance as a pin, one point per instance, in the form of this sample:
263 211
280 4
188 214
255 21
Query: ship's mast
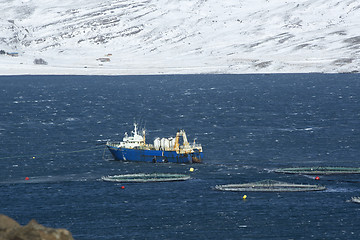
185 141
176 145
144 136
135 129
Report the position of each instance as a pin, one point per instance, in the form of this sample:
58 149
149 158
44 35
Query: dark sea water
52 128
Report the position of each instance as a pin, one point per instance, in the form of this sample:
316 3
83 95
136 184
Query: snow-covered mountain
179 36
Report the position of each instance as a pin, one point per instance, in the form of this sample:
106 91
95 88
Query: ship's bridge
133 141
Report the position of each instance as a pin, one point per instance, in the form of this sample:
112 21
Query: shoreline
134 73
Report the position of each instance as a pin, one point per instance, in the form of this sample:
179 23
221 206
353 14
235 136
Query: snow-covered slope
179 36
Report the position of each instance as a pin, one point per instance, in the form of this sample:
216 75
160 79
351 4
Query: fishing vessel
176 150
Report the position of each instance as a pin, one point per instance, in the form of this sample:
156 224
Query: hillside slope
179 36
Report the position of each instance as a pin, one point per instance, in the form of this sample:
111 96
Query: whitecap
47 123
70 119
338 189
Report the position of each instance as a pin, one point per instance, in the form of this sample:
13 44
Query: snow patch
179 37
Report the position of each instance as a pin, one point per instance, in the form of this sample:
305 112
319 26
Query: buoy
33 157
27 178
244 197
122 187
191 169
317 178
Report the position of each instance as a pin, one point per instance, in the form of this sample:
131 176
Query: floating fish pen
269 186
355 199
319 170
146 177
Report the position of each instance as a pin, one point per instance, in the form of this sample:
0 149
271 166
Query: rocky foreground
11 230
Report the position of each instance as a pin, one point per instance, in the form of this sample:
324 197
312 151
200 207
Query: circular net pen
355 199
319 170
269 186
146 177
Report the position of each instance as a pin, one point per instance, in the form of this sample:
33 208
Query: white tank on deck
172 142
157 143
165 144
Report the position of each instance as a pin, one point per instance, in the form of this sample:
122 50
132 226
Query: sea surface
53 130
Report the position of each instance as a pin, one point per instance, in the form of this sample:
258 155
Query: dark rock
11 230
263 64
40 61
343 61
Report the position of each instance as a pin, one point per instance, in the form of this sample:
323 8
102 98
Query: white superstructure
133 141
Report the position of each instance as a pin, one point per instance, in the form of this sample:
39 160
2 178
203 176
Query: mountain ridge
168 36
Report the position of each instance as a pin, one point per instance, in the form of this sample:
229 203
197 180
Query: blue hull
155 156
